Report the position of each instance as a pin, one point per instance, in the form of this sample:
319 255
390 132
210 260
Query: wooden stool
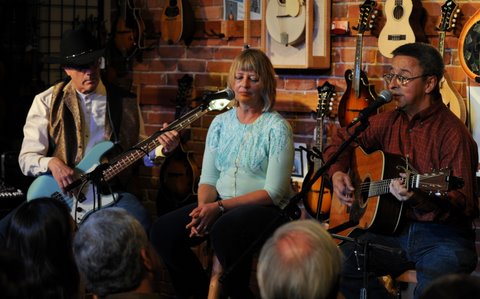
217 270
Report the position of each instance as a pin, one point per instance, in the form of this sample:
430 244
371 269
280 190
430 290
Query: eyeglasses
402 80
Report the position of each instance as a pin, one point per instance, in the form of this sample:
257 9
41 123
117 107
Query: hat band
79 54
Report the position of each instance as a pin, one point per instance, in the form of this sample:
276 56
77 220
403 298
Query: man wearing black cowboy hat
79 120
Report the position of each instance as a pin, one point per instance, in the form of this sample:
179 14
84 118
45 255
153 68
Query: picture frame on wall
300 163
235 9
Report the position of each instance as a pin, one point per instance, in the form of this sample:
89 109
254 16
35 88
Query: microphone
227 93
384 97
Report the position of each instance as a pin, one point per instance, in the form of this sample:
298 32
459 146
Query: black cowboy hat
77 47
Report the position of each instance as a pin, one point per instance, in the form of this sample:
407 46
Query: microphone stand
365 246
322 170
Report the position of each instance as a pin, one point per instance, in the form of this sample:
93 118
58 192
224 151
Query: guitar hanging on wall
359 94
286 21
450 95
318 198
129 29
397 30
405 24
177 22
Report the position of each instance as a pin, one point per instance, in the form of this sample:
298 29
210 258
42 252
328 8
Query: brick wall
207 59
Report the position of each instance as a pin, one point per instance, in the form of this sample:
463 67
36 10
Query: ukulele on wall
397 30
358 94
318 198
176 22
450 95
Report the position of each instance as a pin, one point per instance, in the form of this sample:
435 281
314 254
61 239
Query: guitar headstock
326 100
220 104
438 182
450 12
368 13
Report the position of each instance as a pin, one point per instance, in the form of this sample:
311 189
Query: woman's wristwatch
221 207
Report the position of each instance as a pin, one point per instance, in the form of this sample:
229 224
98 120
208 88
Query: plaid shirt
433 139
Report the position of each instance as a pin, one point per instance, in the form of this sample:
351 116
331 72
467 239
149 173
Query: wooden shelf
227 29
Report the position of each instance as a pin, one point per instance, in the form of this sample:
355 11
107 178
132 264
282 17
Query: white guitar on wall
397 30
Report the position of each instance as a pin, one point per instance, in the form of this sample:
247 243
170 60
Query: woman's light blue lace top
241 158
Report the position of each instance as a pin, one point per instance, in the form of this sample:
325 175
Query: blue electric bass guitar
83 198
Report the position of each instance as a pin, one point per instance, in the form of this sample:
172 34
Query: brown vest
122 123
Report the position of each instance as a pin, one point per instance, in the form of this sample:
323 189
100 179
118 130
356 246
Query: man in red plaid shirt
433 230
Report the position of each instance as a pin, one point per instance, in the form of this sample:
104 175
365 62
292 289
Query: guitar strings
385 184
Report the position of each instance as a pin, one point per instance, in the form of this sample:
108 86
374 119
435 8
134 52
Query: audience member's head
41 232
300 261
451 286
114 254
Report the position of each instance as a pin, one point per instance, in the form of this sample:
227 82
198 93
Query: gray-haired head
108 248
300 261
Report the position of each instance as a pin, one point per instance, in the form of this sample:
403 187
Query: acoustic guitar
318 198
374 207
129 29
286 21
450 95
397 30
359 93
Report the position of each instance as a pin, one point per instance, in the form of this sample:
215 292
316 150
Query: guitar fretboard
144 147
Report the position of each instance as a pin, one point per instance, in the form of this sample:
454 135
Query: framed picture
300 163
301 41
235 9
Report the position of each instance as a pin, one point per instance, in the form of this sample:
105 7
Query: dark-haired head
41 232
428 57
